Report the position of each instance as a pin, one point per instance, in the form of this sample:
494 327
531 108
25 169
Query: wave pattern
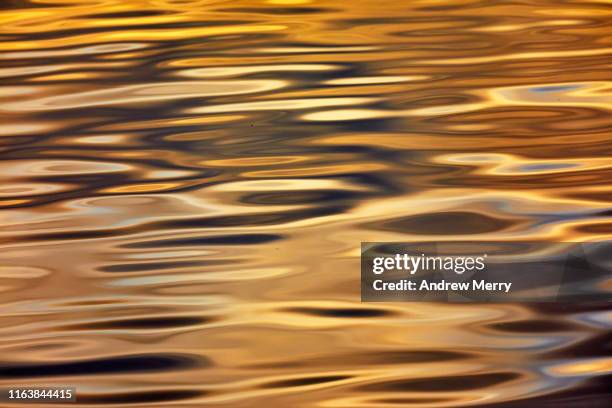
186 184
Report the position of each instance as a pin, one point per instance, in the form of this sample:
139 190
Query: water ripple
186 185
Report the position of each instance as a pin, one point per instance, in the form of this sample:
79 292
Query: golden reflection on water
186 185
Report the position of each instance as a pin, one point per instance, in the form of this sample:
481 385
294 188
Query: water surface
185 186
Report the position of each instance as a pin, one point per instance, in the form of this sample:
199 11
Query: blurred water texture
185 186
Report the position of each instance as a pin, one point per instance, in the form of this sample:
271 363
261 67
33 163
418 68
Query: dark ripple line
303 382
156 266
277 10
443 383
143 323
57 34
140 397
220 221
239 239
370 358
111 365
341 313
592 393
533 326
